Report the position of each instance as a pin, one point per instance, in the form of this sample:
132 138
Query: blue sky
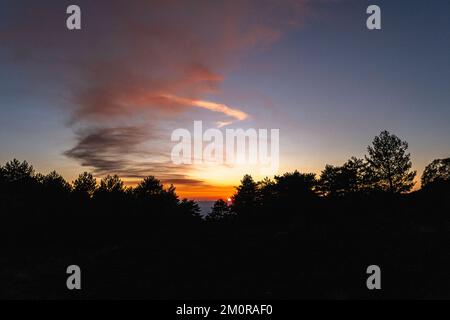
329 84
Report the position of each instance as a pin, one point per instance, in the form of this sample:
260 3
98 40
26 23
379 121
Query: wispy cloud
221 124
216 107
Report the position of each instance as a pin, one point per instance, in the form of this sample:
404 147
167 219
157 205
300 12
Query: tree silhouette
19 184
111 184
437 171
330 181
16 171
152 196
245 199
390 163
190 208
294 185
353 177
219 211
294 193
170 195
360 174
266 192
85 185
55 183
150 186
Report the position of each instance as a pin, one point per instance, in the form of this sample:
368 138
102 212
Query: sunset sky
106 98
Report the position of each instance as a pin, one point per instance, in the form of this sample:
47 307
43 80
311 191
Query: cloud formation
216 107
137 65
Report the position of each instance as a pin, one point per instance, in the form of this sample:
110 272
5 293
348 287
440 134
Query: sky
106 98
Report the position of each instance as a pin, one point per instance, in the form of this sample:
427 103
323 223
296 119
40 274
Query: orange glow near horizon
210 193
195 192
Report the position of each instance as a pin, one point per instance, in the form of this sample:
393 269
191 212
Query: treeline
46 212
297 235
21 187
379 183
384 173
